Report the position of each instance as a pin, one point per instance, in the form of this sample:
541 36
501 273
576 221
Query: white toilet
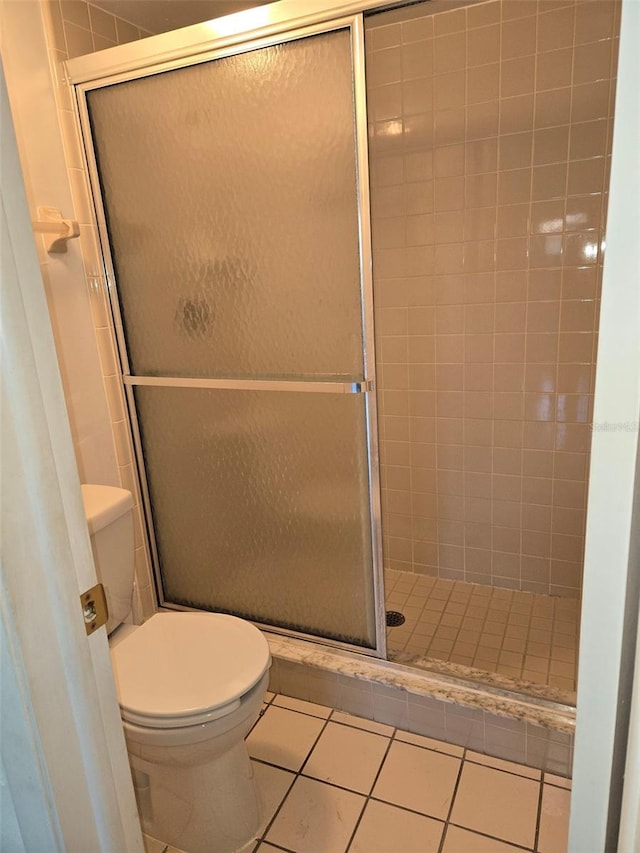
190 686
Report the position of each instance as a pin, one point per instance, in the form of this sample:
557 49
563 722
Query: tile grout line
277 847
453 799
405 743
536 836
482 834
369 796
297 773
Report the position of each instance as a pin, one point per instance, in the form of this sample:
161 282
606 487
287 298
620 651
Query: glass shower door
232 193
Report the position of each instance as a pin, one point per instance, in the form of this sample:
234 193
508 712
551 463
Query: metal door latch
94 608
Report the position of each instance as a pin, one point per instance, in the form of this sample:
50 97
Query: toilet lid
187 668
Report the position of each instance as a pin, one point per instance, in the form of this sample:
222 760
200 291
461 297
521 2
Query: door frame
591 799
63 752
612 550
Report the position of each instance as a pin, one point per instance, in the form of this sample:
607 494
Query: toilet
190 687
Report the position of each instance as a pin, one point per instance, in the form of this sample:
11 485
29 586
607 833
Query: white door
64 778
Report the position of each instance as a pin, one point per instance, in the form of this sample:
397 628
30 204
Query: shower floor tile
521 640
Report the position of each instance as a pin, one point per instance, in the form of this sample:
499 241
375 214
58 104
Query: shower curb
487 719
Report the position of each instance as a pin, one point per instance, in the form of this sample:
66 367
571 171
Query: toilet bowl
190 687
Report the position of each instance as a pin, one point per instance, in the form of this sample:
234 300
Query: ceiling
160 16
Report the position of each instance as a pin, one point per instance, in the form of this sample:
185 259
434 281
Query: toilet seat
185 669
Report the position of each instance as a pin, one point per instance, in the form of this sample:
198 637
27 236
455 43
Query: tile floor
330 783
524 636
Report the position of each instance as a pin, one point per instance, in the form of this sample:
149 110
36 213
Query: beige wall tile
551 145
127 32
520 9
450 53
588 139
518 37
416 60
595 20
590 101
592 62
556 28
449 90
75 12
554 69
516 113
483 15
79 40
103 24
554 107
416 30
515 151
508 126
483 83
545 284
483 45
586 176
517 76
482 120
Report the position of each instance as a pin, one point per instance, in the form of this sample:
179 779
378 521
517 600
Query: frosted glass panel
230 194
261 507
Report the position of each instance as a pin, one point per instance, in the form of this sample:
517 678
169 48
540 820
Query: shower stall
442 171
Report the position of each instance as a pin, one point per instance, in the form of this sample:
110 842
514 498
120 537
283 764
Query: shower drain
394 618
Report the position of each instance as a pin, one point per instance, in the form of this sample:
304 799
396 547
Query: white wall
42 153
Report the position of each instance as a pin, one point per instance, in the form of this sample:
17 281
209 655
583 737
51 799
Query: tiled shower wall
490 132
79 28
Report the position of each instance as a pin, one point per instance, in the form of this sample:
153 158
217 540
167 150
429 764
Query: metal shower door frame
230 47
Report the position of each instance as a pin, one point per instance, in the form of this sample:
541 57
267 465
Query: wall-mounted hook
59 230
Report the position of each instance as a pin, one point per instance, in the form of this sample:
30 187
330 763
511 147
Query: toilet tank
109 513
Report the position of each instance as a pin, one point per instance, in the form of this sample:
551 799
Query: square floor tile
558 781
283 737
316 817
418 779
347 757
500 764
272 784
311 708
430 743
386 828
554 820
497 803
462 841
